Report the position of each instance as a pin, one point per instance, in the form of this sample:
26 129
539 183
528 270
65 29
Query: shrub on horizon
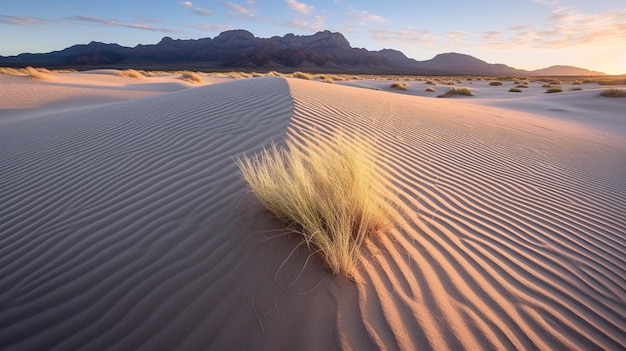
302 75
554 89
457 91
333 194
398 85
613 93
192 77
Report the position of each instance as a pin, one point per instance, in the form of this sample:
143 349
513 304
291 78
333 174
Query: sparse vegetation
554 89
400 86
430 90
576 89
457 91
495 83
36 73
515 90
192 77
302 75
614 93
131 73
521 86
333 194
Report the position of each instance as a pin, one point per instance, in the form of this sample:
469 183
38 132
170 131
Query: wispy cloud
197 10
23 20
299 7
240 11
120 23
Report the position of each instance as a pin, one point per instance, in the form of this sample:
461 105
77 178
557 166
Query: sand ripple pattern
514 235
111 218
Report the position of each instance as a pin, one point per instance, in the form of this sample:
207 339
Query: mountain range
240 50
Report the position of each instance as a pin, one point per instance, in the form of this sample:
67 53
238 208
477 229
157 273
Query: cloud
316 24
239 11
362 17
198 11
299 7
22 20
119 23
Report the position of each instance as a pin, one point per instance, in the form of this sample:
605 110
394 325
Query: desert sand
125 224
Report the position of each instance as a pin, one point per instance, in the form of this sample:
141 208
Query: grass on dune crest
457 91
333 194
191 77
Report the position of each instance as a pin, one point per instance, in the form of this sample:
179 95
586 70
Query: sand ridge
126 225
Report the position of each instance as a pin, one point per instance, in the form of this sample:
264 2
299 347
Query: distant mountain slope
565 71
239 49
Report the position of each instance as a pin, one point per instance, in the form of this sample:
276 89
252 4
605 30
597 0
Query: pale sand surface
126 225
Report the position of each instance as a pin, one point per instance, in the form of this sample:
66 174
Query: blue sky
526 34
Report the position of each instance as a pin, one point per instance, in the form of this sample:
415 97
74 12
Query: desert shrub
613 81
398 85
430 82
430 90
576 89
613 92
334 194
36 73
546 85
10 71
457 91
554 89
495 83
192 77
302 75
521 86
328 80
515 90
131 73
577 82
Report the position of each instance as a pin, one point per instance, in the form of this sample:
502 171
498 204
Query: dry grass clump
515 90
521 86
333 194
457 91
495 83
192 77
37 73
430 82
546 85
400 86
11 71
131 73
576 89
430 90
555 89
302 75
613 92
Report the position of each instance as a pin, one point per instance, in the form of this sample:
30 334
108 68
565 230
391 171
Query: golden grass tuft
333 194
400 86
131 73
37 73
554 89
192 77
457 91
495 83
515 90
302 75
614 93
430 90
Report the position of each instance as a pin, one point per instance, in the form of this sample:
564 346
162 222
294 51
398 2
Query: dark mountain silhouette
241 50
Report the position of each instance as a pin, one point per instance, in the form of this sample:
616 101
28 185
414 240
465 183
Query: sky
525 34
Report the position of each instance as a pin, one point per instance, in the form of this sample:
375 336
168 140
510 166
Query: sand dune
126 225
